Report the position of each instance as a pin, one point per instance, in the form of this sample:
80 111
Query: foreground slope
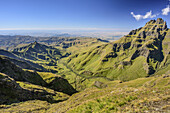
141 95
141 53
12 91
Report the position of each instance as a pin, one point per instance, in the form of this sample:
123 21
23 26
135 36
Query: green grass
47 76
135 95
57 96
33 106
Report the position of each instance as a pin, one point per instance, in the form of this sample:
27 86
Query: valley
85 75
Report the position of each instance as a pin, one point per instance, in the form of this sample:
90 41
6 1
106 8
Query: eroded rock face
160 21
133 32
148 43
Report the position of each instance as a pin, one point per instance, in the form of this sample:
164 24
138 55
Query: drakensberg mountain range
143 52
87 74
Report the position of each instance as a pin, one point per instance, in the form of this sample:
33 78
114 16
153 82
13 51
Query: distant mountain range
11 42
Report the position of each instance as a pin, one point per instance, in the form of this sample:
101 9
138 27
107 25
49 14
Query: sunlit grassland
138 95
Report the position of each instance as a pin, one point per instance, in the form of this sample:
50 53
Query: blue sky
80 14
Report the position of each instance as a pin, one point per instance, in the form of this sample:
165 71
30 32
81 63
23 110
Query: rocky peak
158 24
151 22
160 21
35 43
152 28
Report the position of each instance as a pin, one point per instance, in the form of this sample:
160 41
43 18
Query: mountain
8 42
35 51
141 53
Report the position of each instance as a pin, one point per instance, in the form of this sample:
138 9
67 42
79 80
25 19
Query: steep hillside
42 55
36 51
57 83
18 74
141 53
11 91
23 62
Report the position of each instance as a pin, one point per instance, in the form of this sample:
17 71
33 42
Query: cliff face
143 52
149 41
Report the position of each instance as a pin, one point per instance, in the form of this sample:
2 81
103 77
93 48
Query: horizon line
85 29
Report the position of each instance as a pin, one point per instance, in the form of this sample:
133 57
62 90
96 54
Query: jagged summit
156 24
158 21
151 28
35 44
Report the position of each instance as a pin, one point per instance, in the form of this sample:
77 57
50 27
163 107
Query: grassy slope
140 95
143 94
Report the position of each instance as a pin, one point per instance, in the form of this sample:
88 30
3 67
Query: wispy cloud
147 15
138 17
166 10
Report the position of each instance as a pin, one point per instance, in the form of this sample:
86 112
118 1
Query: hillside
12 91
18 74
141 53
140 95
35 51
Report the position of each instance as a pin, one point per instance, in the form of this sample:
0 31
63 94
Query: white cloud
166 10
147 15
137 17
